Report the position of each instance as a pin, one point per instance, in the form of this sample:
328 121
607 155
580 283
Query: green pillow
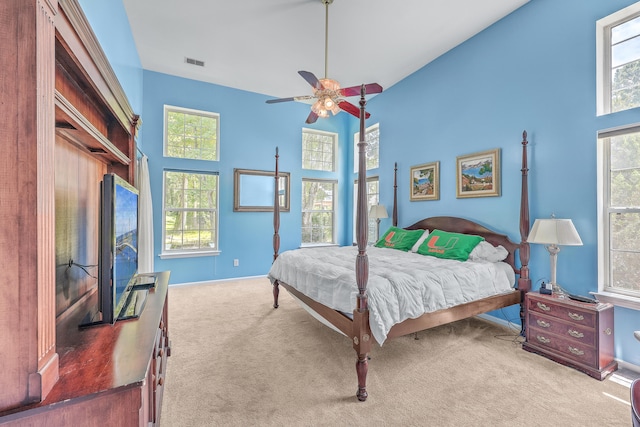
447 245
399 238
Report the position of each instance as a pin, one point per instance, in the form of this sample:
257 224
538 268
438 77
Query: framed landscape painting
478 174
425 182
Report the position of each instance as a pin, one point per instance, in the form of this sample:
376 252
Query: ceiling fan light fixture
319 109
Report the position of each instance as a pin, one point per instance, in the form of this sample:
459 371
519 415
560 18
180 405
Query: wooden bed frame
358 328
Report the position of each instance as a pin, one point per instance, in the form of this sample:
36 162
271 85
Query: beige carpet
236 361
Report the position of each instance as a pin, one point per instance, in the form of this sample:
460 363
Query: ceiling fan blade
311 79
293 98
311 118
351 109
355 90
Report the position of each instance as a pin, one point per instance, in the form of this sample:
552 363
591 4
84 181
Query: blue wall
250 131
534 70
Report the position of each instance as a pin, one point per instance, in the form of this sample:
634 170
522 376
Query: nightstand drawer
581 334
569 348
572 314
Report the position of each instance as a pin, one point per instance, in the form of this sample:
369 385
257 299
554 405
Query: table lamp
377 212
554 232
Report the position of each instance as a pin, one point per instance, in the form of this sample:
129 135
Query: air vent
194 62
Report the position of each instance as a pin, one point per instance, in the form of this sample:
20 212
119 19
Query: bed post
276 228
524 282
395 195
360 333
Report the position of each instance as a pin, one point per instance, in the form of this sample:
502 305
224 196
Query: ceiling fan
327 92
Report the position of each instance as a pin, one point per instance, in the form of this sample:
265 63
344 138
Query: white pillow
485 251
422 238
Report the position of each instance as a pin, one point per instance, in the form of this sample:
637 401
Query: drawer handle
543 324
543 307
575 334
607 331
576 351
543 339
576 316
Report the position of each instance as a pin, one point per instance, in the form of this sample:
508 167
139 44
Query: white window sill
318 245
619 300
188 254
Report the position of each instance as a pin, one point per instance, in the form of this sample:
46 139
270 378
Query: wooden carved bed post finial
276 227
360 334
524 282
395 195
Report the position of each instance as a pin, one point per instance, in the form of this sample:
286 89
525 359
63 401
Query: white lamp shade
378 211
554 231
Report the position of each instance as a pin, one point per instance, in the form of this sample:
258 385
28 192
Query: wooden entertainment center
110 375
65 122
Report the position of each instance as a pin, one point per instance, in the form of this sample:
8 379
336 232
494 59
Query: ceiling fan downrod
326 4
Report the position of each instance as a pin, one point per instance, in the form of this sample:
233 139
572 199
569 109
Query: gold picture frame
425 182
478 174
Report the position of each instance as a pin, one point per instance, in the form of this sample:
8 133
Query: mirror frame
285 205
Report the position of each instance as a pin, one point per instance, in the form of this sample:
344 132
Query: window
619 206
318 211
190 219
318 150
372 151
373 198
618 60
191 134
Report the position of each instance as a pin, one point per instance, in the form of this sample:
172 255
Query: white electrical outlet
236 262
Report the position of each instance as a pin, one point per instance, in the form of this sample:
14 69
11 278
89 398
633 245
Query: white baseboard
626 365
209 282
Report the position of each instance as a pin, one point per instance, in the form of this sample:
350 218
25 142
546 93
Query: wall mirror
253 190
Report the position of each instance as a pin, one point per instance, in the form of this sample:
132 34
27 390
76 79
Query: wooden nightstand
572 333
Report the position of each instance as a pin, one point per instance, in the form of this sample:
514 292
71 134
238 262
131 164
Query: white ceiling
259 45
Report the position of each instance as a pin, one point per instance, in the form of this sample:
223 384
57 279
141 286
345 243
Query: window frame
356 140
628 299
171 108
603 55
334 211
189 253
372 223
334 148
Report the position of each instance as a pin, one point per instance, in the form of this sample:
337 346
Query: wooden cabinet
572 333
110 375
63 109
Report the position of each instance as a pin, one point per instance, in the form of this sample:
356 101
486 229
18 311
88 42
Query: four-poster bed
300 272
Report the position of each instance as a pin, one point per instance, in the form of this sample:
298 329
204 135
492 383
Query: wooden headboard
461 225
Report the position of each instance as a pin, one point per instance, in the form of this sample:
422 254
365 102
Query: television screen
118 245
125 250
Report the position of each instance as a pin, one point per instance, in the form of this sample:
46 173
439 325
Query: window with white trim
619 211
618 60
190 213
191 134
318 150
372 151
373 198
318 211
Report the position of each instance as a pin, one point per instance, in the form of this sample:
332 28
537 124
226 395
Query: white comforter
401 285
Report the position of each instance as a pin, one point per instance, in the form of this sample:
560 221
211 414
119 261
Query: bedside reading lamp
377 212
554 232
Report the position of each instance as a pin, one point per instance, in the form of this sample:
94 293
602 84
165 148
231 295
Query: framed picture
478 174
425 182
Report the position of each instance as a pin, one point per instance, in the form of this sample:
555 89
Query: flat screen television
118 252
